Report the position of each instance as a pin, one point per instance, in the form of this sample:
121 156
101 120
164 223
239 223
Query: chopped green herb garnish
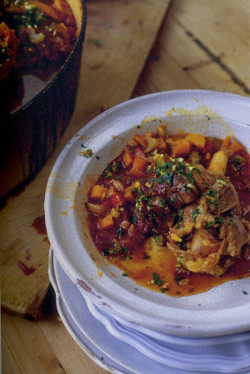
178 279
156 279
181 169
195 213
139 200
120 232
166 177
134 189
172 200
180 218
208 224
105 252
88 153
220 220
238 162
134 219
212 197
110 169
124 250
163 203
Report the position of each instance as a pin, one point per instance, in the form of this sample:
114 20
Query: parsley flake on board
97 42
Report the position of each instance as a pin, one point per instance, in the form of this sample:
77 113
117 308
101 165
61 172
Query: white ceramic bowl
222 310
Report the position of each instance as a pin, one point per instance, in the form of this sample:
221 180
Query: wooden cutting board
119 38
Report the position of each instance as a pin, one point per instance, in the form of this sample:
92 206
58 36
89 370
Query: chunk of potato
218 163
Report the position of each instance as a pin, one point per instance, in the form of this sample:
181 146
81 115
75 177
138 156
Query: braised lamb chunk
213 251
236 233
211 233
172 180
202 179
222 197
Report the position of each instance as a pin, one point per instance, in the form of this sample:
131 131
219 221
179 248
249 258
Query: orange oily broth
151 259
163 262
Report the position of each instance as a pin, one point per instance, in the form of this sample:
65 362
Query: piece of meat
202 179
236 233
222 197
206 252
210 264
208 232
203 243
177 188
182 192
229 200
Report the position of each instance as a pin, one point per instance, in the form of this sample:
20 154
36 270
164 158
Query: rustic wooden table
132 48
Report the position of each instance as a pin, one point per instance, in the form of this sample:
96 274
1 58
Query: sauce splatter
39 225
28 255
25 269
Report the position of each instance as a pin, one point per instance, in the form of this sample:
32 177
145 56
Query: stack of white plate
126 347
124 327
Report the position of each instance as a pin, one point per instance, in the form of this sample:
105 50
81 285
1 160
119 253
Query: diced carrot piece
127 158
235 146
98 192
197 139
207 155
106 222
181 148
136 172
226 142
139 163
141 140
138 166
161 144
128 195
232 144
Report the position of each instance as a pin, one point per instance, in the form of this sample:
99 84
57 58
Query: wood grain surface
131 48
